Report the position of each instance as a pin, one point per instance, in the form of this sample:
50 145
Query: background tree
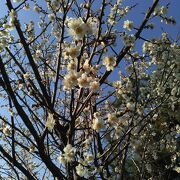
64 112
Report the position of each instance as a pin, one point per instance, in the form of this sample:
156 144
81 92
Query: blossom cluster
68 155
78 28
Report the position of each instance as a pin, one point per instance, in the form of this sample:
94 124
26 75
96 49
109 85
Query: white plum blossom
32 148
77 28
71 52
130 106
38 53
112 118
80 170
98 124
89 157
7 130
128 25
37 9
146 47
92 25
62 159
72 66
94 86
69 153
161 11
109 62
26 7
70 80
50 123
84 80
12 16
51 17
86 66
27 75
